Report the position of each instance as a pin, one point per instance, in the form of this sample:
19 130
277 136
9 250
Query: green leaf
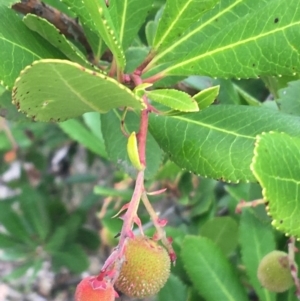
19 47
116 143
245 48
227 94
96 43
22 269
210 272
7 109
256 240
50 33
252 101
134 57
289 101
88 238
128 16
173 290
81 134
218 142
276 165
72 257
223 15
56 90
206 97
174 99
177 16
57 240
223 231
8 241
95 15
15 224
34 212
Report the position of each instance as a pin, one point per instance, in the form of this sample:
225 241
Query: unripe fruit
90 289
274 272
145 270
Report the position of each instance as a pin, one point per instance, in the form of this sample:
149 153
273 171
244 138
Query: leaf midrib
212 127
188 35
172 25
229 46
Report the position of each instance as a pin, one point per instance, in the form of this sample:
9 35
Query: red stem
142 136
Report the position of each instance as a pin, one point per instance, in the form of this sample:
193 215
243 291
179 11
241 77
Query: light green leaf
177 16
245 48
173 290
256 239
81 134
210 271
289 100
53 36
128 16
207 96
174 99
218 142
116 143
223 231
276 166
19 47
95 15
56 90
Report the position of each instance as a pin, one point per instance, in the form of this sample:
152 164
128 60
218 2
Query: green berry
274 272
145 270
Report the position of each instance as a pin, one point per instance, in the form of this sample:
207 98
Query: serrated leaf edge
274 222
91 72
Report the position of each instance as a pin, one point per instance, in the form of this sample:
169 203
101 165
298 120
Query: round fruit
91 289
274 272
145 270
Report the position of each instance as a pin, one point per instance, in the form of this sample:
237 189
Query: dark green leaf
218 142
128 16
210 272
174 290
257 240
34 211
223 231
177 17
81 134
72 257
116 143
245 48
19 46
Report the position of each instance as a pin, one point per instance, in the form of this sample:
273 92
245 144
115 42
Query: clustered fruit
144 272
274 272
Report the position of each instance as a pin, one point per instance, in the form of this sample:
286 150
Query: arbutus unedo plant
168 79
